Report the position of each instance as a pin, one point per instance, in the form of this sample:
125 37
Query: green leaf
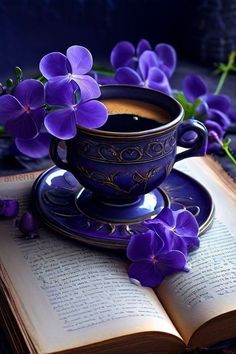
18 73
10 83
190 109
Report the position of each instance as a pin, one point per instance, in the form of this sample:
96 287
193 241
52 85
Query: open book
59 296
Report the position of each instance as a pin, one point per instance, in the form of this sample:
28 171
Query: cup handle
197 147
54 155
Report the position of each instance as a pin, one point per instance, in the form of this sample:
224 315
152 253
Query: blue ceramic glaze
119 168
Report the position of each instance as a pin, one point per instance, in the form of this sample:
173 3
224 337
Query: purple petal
147 61
35 148
179 243
202 108
171 262
9 208
54 64
30 93
145 273
27 125
157 80
214 126
122 54
10 108
88 86
215 134
60 92
106 80
61 123
144 246
166 216
218 102
143 45
91 114
186 224
126 75
194 87
166 234
218 117
80 59
167 56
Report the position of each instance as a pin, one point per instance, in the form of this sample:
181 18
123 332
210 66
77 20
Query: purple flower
72 111
151 261
9 208
178 229
125 54
23 114
61 69
37 147
28 225
148 74
212 107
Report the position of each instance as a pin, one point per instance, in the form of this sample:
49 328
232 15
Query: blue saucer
67 208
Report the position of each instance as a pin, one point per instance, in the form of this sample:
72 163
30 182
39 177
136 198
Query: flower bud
28 225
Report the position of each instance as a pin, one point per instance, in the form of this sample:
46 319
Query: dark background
200 30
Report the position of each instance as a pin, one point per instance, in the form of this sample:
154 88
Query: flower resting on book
28 225
162 249
9 208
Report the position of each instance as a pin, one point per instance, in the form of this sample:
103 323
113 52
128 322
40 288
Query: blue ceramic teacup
135 150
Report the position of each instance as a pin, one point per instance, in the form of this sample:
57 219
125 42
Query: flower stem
225 147
225 69
229 154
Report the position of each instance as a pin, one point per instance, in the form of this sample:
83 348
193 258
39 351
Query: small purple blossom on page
28 225
9 208
151 259
178 229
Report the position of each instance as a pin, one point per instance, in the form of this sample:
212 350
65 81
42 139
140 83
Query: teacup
134 152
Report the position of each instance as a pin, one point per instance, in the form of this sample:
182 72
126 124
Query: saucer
67 208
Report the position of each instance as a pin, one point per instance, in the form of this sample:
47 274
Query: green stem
229 154
225 70
225 148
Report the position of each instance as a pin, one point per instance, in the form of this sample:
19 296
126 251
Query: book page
209 289
67 294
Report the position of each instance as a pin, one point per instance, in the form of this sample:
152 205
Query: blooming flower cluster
215 110
34 112
145 67
162 249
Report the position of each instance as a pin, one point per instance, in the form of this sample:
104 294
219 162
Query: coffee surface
128 123
136 108
127 115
